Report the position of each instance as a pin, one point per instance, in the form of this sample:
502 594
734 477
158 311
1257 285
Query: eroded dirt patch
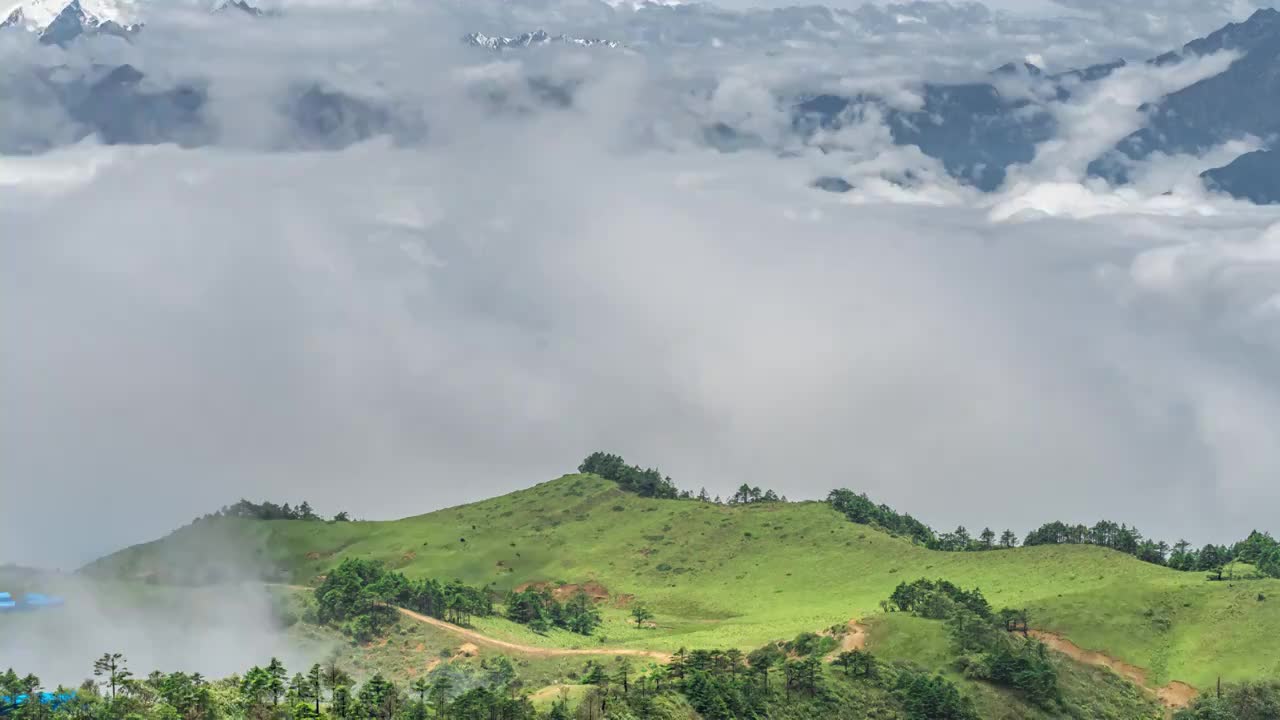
594 590
852 637
1176 694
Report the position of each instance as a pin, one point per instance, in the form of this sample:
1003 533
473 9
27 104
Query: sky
473 304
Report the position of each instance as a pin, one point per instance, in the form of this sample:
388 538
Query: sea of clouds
475 301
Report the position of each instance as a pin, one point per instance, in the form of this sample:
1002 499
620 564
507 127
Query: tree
641 613
988 538
342 517
857 663
298 689
422 687
341 702
440 694
276 674
333 676
315 683
761 659
379 697
1008 539
111 667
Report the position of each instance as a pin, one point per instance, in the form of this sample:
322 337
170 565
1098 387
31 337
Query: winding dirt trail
1174 695
482 639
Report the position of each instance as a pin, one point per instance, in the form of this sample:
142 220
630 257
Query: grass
720 576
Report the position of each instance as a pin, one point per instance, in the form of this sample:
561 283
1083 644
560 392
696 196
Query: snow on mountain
37 15
641 4
73 21
240 6
533 39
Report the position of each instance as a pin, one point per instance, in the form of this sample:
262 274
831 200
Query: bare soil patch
1174 695
594 590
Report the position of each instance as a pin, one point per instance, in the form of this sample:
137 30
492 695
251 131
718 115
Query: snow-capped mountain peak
37 15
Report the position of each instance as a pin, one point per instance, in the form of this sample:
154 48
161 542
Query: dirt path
485 640
1174 695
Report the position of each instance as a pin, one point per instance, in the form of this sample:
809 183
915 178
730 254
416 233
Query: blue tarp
53 700
30 601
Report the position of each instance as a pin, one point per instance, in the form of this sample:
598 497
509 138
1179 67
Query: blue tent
7 602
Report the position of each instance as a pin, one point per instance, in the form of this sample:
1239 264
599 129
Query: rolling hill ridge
740 576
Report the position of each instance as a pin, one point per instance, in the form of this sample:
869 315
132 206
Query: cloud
1103 113
423 319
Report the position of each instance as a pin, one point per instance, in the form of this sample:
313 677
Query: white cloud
1103 113
469 312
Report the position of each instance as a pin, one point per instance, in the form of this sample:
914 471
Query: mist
216 631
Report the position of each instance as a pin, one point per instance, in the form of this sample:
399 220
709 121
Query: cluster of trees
267 510
361 597
632 478
861 509
539 609
269 692
937 599
784 681
986 649
1259 548
780 680
649 482
747 494
1245 701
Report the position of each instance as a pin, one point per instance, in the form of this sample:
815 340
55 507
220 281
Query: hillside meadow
740 576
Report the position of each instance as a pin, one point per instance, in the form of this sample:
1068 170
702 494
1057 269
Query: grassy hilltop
720 576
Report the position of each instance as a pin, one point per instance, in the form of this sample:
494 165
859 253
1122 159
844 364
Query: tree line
1258 549
784 680
650 482
268 692
717 684
267 510
862 510
361 596
780 681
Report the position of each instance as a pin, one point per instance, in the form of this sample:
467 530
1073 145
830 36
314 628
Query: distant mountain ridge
978 131
533 39
62 24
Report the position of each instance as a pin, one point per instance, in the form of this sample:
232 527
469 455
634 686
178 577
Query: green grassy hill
719 576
